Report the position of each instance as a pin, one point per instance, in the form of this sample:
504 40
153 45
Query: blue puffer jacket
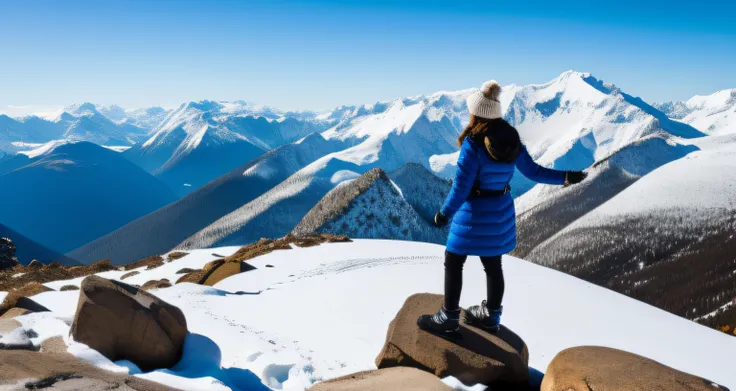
487 226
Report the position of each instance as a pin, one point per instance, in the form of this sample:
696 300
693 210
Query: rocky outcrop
389 379
69 288
19 298
220 269
176 255
7 254
126 323
20 276
156 284
476 357
62 371
130 274
150 263
588 368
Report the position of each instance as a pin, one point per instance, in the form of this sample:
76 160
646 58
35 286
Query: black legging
454 280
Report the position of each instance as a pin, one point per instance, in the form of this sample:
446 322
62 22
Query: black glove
573 177
440 220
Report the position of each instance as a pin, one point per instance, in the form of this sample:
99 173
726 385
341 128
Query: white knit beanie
484 102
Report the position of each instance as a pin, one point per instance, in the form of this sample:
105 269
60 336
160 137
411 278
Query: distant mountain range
240 172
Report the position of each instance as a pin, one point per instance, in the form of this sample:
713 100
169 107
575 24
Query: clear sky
320 54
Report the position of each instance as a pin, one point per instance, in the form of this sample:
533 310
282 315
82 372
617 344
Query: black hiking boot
444 323
480 316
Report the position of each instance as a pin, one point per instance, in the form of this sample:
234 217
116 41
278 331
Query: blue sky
319 54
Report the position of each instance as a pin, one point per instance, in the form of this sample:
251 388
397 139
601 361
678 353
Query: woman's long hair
501 139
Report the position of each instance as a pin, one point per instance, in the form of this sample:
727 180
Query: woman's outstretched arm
537 173
467 170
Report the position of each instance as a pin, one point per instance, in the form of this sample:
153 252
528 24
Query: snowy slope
75 193
223 134
255 334
162 230
667 239
391 134
546 209
713 114
147 118
575 120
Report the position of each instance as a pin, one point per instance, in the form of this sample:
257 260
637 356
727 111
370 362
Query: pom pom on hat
491 90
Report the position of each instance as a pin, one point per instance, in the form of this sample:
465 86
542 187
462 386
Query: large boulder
588 368
7 254
389 379
475 358
126 323
26 370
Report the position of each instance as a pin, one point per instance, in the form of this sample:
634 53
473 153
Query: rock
7 254
150 263
588 368
156 284
35 264
223 271
12 301
213 264
129 274
69 288
176 255
125 323
53 345
389 379
19 298
194 277
63 372
7 325
185 270
15 311
478 357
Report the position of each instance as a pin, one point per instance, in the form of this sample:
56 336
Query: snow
286 326
44 148
117 148
703 179
342 176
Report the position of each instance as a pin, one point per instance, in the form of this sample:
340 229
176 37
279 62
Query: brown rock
176 255
18 298
7 325
69 288
150 263
125 323
478 357
32 288
185 270
53 345
130 274
213 264
35 264
156 284
223 271
194 277
13 312
63 372
588 368
389 379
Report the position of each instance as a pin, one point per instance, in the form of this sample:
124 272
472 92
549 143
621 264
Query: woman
482 211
